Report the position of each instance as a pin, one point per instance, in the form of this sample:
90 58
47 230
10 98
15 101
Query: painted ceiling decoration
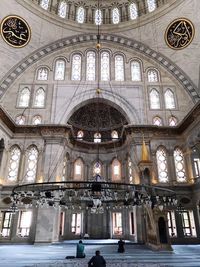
15 31
179 33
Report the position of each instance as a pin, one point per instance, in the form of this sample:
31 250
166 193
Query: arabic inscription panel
15 31
179 33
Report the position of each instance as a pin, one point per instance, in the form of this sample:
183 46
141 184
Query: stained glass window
44 4
130 171
116 170
76 67
13 167
97 168
119 68
80 16
98 17
90 67
115 15
173 121
157 121
39 98
114 135
24 97
152 76
80 135
179 165
62 9
78 169
36 120
105 66
169 99
60 69
135 71
154 99
31 164
97 138
151 4
42 74
133 11
161 157
20 120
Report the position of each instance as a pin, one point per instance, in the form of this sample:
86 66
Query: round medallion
15 31
179 33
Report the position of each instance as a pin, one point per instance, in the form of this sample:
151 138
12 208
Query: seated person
80 250
121 244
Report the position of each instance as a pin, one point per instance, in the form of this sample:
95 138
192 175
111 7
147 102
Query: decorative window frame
36 88
21 87
124 64
54 68
141 70
36 73
71 64
157 88
158 72
173 89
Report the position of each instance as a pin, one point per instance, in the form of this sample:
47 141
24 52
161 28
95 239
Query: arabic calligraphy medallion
15 31
179 33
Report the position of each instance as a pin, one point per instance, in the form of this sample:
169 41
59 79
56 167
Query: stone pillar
47 229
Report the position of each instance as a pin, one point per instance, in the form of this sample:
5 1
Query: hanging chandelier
95 196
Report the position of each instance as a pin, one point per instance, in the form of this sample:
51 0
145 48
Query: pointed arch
78 170
162 166
116 171
14 163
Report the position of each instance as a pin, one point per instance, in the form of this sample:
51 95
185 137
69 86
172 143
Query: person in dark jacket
121 244
80 250
97 260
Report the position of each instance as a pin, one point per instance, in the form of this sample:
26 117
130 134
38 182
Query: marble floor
53 255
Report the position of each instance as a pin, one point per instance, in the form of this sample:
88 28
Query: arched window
39 98
76 67
62 9
152 75
42 74
115 15
78 170
130 171
13 166
105 66
36 120
154 99
173 121
169 99
151 4
80 16
133 10
161 158
20 120
97 138
114 135
80 135
60 69
90 67
116 170
157 121
135 71
119 68
179 165
97 169
64 168
98 17
31 164
24 97
44 4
